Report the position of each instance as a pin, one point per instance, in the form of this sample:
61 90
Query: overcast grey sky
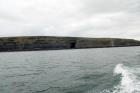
84 18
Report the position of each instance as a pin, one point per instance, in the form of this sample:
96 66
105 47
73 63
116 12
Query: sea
94 70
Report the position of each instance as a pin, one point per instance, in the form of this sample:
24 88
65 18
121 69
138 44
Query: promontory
30 43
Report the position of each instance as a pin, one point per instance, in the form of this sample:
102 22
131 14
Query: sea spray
129 83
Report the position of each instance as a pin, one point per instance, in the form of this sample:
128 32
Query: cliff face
48 43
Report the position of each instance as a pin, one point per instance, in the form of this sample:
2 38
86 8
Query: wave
130 82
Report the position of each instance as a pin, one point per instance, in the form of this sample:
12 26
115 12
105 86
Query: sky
76 18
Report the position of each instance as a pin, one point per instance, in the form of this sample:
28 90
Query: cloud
86 18
101 6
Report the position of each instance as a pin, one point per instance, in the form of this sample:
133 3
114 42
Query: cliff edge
29 43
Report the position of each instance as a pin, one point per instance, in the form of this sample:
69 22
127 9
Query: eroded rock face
47 43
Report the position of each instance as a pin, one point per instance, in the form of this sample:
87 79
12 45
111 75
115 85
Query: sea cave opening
72 45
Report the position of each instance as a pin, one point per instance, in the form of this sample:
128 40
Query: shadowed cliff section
30 43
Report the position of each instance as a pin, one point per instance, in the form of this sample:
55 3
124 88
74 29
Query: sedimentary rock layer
29 43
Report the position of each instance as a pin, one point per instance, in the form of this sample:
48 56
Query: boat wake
130 82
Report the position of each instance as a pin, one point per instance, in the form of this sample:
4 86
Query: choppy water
105 70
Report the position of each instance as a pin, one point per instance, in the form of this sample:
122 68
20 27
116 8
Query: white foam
129 83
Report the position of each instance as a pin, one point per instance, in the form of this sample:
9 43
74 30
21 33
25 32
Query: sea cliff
29 43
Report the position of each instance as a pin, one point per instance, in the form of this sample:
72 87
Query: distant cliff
29 43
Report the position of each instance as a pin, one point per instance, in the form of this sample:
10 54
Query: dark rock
29 43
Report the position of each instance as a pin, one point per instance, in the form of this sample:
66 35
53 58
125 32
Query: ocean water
98 70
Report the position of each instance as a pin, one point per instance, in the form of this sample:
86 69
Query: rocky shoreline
31 43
